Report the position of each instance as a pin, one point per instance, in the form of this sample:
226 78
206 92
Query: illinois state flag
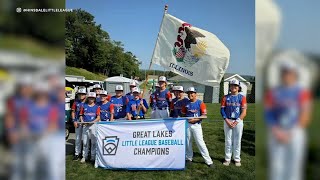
190 52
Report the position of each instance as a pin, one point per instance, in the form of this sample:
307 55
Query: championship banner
141 144
190 52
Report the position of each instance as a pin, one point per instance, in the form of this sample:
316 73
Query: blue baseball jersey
284 104
98 99
76 107
194 109
232 106
163 98
176 106
152 101
16 105
90 113
39 117
130 96
133 105
119 106
53 96
106 109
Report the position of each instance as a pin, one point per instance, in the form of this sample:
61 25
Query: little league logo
110 145
189 47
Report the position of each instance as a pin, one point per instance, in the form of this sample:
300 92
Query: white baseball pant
286 161
195 130
35 152
153 114
233 141
88 133
161 114
56 163
39 150
19 155
78 142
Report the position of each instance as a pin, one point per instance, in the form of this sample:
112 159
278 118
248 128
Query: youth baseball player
40 121
106 107
13 118
152 100
89 112
195 108
233 111
75 115
97 88
163 99
137 107
130 94
178 102
120 103
287 114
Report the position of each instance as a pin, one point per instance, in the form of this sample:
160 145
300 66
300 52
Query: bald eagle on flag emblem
189 47
191 52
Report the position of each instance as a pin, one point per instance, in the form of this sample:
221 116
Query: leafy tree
89 47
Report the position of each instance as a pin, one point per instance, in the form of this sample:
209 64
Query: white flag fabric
190 52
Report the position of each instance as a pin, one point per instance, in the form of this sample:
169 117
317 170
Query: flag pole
146 80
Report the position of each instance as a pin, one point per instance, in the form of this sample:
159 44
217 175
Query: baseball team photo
161 90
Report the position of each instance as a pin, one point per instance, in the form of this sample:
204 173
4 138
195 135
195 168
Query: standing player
287 112
76 118
195 108
137 107
19 102
152 100
130 94
163 99
89 112
178 102
233 111
106 107
97 88
120 102
40 121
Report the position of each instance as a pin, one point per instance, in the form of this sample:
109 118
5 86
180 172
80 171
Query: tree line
89 47
45 27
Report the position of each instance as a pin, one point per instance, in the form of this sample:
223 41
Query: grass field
82 72
214 138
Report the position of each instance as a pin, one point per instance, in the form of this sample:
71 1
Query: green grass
30 46
85 73
214 138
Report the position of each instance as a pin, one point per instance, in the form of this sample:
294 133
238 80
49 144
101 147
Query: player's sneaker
76 158
238 164
226 163
210 165
83 160
188 162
